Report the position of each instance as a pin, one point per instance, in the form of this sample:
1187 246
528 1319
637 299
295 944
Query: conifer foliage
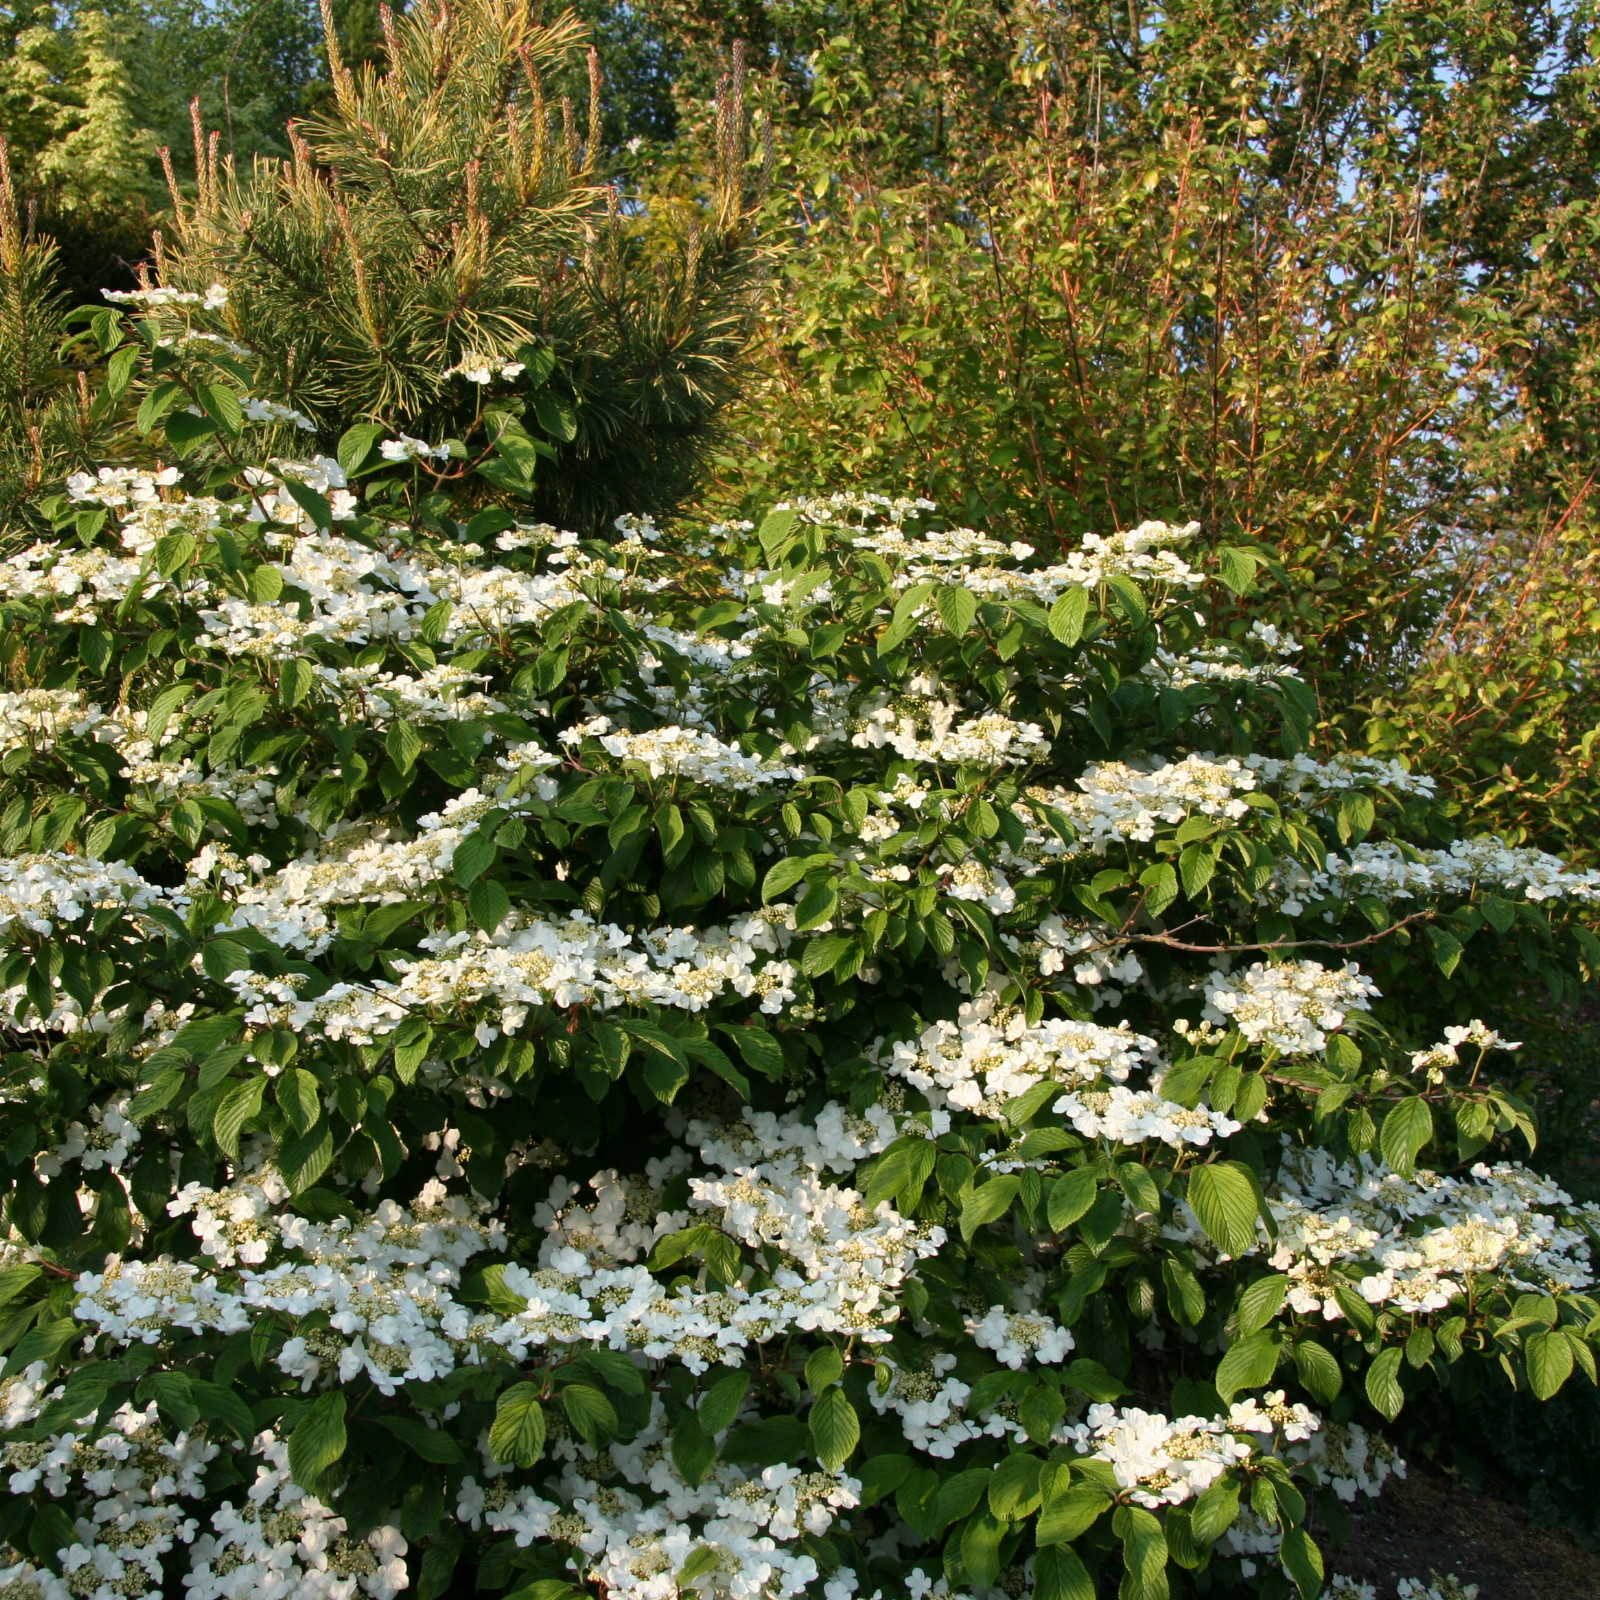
440 256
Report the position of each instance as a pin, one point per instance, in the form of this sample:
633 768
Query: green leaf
1069 1512
958 609
403 744
761 1051
988 1203
318 1439
13 1280
184 429
43 1343
1058 1574
431 1444
238 1106
308 1155
835 1428
225 1406
1014 1488
589 1412
1302 1560
300 1096
518 1431
173 552
1068 614
556 417
488 904
221 404
775 532
1249 1364
295 681
1549 1358
719 1405
1319 1371
313 504
1260 1302
356 443
1073 1194
1197 865
1383 1382
906 1165
693 1451
824 1368
1185 1297
1237 568
980 1548
1144 1554
1406 1129
1130 597
472 858
1215 1512
1223 1197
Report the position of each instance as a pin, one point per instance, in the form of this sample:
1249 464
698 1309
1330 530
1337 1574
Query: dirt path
1432 1522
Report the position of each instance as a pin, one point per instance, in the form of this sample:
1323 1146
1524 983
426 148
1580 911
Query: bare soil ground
1431 1522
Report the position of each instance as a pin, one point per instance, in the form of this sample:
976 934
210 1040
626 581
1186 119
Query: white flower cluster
989 1055
1437 1059
152 299
35 719
922 726
1018 1337
1402 872
384 1284
1416 1244
124 1480
1290 1007
405 448
675 752
1128 1116
1161 1460
269 411
484 369
1449 1587
38 892
642 1532
528 962
1211 663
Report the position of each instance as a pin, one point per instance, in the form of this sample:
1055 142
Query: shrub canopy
841 1056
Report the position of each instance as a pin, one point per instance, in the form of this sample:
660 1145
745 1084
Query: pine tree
439 254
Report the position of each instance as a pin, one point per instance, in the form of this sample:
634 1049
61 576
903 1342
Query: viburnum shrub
828 1058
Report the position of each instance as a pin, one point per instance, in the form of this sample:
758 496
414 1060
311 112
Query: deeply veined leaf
318 1439
1223 1196
1407 1127
517 1433
835 1428
1383 1382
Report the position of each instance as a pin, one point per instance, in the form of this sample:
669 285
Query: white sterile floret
699 757
1290 1007
215 297
270 411
405 448
989 1055
1271 1414
1127 1116
1019 1337
1161 1461
1416 1244
1449 1587
1392 871
482 370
